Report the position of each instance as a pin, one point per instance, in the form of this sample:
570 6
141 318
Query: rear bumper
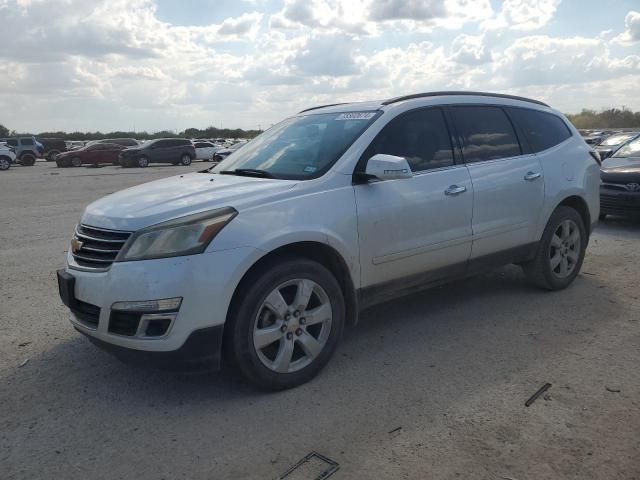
201 351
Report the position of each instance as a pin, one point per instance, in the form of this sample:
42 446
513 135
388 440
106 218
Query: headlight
183 236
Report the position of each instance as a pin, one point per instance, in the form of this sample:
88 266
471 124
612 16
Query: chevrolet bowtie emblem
75 245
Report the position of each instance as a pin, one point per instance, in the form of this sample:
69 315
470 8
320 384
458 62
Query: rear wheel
185 160
51 155
560 252
5 163
76 162
27 160
287 324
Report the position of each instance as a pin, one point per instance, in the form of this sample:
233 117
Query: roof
377 104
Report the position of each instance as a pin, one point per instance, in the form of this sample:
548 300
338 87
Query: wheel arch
580 205
322 253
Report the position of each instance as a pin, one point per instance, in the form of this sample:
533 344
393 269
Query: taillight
596 156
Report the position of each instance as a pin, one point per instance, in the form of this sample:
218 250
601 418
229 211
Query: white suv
266 256
7 156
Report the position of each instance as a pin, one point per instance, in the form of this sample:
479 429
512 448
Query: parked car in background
223 153
269 254
27 149
595 137
613 142
96 154
7 156
205 150
162 150
52 147
620 189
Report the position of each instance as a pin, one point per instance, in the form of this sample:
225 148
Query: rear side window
420 136
543 130
486 132
26 141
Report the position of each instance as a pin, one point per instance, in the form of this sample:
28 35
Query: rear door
508 185
416 230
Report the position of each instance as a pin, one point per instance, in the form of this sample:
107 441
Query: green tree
4 131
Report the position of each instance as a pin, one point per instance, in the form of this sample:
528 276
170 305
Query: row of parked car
127 152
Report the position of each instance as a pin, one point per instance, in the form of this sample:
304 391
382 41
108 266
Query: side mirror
388 167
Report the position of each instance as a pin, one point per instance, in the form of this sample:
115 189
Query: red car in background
94 154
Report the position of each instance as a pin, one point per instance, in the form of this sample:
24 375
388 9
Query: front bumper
205 282
619 202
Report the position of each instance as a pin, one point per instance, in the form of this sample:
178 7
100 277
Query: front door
413 231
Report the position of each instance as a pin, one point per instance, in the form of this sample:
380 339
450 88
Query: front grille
620 204
97 248
86 313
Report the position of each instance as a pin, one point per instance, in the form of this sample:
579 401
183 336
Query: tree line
210 132
611 118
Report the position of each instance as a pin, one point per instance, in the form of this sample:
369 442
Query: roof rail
439 94
322 106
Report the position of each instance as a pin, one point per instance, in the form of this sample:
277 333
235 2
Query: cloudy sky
172 64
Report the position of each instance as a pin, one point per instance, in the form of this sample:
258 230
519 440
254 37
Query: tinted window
486 132
160 143
13 143
26 141
542 130
203 145
421 136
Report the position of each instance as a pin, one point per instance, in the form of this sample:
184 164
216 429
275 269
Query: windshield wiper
248 172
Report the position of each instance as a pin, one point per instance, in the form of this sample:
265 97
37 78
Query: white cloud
631 34
524 14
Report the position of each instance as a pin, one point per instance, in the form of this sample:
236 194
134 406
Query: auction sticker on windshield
356 116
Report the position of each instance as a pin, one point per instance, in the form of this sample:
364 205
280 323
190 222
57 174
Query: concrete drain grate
312 467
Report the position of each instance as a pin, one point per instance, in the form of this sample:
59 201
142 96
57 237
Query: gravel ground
429 386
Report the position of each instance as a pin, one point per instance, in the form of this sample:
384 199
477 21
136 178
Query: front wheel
76 162
142 162
27 160
4 163
560 252
285 323
185 160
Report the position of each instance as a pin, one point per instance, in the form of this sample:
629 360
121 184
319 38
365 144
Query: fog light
163 305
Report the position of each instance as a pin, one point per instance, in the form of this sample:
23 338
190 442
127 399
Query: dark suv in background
52 147
162 150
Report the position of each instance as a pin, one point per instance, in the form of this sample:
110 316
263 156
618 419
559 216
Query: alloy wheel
292 326
564 249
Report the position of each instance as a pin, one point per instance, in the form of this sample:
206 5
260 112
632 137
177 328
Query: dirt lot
432 386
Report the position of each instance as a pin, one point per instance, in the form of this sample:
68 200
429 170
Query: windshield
631 149
617 139
300 147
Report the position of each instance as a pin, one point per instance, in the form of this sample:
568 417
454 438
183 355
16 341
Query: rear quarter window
542 130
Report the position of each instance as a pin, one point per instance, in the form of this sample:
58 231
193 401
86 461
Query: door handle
531 176
454 190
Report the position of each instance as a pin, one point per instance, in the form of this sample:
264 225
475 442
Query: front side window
543 130
486 132
631 149
420 136
300 147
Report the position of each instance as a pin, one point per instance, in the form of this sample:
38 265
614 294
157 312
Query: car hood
174 197
620 170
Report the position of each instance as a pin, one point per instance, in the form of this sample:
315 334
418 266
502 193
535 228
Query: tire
185 160
51 155
142 161
76 162
559 241
5 163
27 160
250 313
